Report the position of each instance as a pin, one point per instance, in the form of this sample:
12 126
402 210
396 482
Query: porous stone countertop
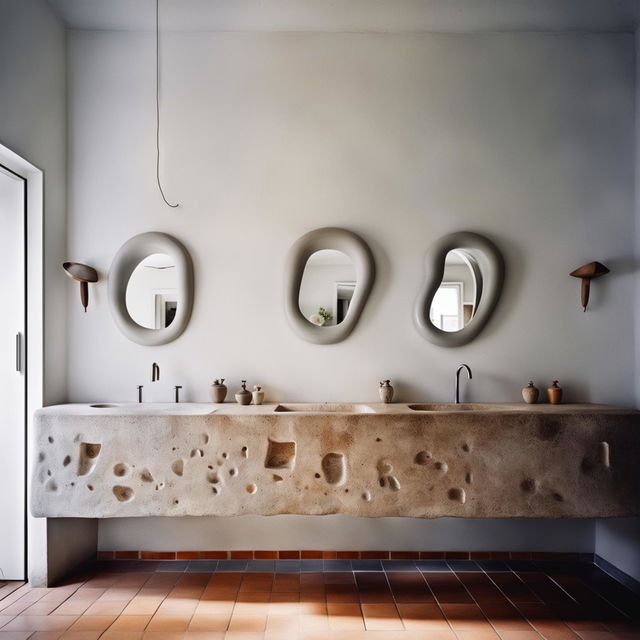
364 459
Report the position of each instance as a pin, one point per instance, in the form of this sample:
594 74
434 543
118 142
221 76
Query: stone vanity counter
476 461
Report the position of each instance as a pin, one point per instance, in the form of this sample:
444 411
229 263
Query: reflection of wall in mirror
318 288
148 292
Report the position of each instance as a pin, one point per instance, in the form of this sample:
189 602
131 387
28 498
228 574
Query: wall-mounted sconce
587 272
83 274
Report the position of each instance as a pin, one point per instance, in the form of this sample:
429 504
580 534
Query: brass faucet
155 372
457 392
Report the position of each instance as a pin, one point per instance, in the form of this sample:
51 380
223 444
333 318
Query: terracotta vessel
530 393
386 391
243 396
218 391
554 393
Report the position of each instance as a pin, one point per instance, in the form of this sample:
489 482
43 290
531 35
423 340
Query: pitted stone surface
577 461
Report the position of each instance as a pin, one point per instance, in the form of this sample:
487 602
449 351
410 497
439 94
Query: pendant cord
173 206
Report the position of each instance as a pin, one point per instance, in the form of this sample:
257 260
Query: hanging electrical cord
158 108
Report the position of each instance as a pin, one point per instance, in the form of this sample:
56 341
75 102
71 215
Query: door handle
18 352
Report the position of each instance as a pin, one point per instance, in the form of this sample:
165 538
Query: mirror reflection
327 287
455 301
152 292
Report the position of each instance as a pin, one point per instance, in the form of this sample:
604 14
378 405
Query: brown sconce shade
83 274
588 272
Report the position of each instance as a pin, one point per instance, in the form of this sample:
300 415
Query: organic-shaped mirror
464 278
329 276
151 288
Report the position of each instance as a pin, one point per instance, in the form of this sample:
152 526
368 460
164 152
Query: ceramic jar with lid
257 394
386 391
554 393
530 393
243 395
218 391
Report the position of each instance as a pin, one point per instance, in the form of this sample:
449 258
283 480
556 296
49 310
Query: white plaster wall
400 137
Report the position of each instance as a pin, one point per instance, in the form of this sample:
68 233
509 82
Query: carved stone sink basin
153 408
452 406
323 407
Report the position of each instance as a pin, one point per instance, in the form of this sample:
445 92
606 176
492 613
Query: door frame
33 358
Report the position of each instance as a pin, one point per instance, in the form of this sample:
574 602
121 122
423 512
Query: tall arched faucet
460 368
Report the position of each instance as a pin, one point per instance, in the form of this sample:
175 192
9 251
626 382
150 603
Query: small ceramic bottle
554 393
218 391
258 394
530 393
386 391
243 396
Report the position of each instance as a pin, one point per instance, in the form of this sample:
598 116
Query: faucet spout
155 372
457 385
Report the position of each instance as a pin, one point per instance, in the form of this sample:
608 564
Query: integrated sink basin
153 408
323 407
452 406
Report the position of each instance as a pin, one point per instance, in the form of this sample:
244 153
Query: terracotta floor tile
81 635
130 623
283 603
465 617
511 634
248 622
427 617
92 623
106 608
46 635
163 635
204 635
5 619
287 582
213 607
597 635
39 623
283 624
478 634
244 635
313 622
178 606
121 635
142 607
14 635
345 617
505 617
554 630
168 622
209 622
381 617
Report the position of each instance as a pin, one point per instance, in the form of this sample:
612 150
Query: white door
12 375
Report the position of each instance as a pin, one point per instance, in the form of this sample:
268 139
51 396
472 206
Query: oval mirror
464 278
327 287
328 278
151 288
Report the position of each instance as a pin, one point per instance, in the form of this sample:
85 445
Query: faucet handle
177 388
140 387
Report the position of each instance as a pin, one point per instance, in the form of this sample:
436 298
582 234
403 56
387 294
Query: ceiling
353 15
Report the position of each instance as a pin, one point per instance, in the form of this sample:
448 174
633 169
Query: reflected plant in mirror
152 292
464 276
328 284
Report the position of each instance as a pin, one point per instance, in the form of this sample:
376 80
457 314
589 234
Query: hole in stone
378 439
245 452
146 475
346 490
121 469
604 454
197 452
334 467
280 455
466 447
67 461
213 477
178 467
73 484
529 485
123 494
204 438
51 485
50 439
457 494
316 475
88 457
442 466
214 490
423 457
384 467
277 478
251 488
49 472
232 472
587 466
557 496
366 496
176 501
382 482
225 455
90 487
209 466
41 457
394 483
468 478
